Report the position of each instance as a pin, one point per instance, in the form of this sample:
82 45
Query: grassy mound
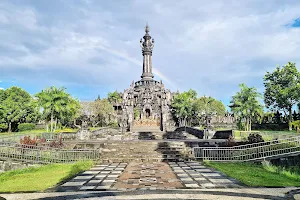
40 178
253 174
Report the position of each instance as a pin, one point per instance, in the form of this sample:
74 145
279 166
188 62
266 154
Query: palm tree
246 105
56 104
114 97
182 105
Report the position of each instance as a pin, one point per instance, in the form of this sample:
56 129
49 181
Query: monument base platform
145 129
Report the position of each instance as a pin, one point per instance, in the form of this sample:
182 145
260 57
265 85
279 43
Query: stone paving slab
196 175
212 194
100 177
148 176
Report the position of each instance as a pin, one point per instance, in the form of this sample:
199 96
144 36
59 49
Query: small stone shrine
146 104
84 133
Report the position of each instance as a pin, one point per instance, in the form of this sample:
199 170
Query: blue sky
92 47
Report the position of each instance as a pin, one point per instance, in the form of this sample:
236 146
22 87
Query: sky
92 47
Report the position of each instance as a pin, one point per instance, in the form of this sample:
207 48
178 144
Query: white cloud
208 46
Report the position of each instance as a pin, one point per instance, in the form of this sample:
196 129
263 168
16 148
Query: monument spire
147 46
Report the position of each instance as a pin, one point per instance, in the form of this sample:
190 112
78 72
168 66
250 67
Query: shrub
26 127
296 125
255 138
28 141
65 130
274 127
288 172
231 142
113 124
3 127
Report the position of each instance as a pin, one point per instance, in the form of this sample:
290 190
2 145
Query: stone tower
146 104
147 47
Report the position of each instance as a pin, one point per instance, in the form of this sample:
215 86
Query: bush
274 127
28 141
255 138
26 127
3 127
296 125
113 124
65 130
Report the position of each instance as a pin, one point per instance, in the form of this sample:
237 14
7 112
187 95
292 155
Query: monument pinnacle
147 46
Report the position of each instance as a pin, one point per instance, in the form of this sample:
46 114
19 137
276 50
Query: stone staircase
145 129
143 151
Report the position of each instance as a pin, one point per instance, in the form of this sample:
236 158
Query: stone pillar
147 46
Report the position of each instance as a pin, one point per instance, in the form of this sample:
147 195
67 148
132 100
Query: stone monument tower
146 104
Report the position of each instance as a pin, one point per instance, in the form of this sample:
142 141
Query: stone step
154 159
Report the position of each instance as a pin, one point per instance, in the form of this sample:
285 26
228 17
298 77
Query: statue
84 133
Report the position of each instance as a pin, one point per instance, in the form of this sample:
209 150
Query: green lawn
255 175
266 134
40 178
35 132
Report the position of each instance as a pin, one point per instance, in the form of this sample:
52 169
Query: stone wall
12 165
193 131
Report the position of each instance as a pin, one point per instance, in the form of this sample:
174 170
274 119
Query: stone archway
147 113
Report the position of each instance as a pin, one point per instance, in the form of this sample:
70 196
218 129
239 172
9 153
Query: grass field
253 174
266 134
34 132
40 178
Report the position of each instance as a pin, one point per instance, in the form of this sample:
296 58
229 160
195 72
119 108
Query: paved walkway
213 194
151 176
148 176
100 177
156 181
196 175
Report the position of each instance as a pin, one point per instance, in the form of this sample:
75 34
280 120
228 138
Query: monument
146 104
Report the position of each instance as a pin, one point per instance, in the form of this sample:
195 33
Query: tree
71 111
207 106
16 105
3 125
136 113
57 105
182 105
246 105
114 97
282 89
103 111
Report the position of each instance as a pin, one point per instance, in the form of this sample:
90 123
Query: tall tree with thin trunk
246 105
103 112
207 106
57 105
182 105
282 89
114 97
